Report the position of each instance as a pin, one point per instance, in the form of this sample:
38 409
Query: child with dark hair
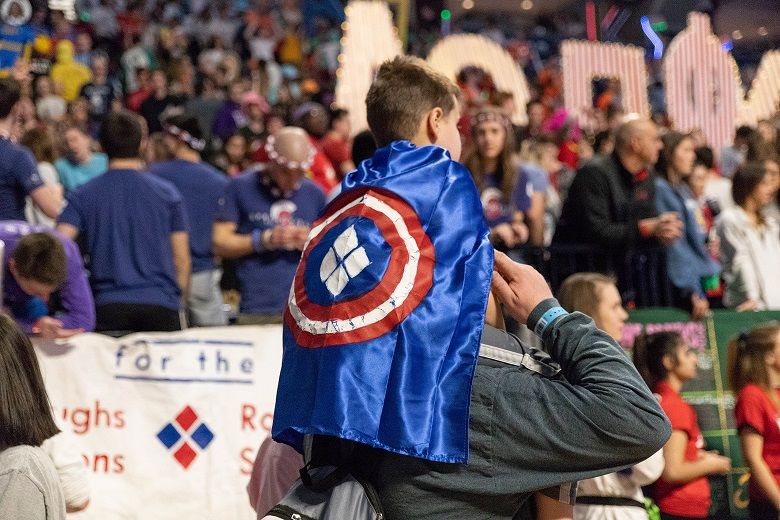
665 362
754 374
38 263
692 271
29 486
750 240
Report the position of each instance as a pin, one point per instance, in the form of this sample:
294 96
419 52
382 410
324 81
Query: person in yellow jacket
68 73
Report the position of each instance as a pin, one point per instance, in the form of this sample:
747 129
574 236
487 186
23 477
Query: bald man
264 218
610 203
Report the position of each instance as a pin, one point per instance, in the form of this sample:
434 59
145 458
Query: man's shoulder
311 189
164 188
598 167
11 154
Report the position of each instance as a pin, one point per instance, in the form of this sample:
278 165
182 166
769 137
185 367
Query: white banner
169 423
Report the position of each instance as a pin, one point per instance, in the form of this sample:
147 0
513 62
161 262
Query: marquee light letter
584 61
456 52
763 100
702 83
369 39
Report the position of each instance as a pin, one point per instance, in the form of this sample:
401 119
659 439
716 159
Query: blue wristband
257 240
548 318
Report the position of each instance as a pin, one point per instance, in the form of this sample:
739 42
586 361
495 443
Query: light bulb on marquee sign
369 40
707 95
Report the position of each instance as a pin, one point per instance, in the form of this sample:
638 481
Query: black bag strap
325 483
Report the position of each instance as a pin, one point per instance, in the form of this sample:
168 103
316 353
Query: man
80 164
135 232
201 186
102 93
161 103
264 220
611 200
44 283
18 170
438 435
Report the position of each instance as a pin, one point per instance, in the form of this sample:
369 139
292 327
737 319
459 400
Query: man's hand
713 246
747 305
511 235
52 328
288 238
669 228
520 288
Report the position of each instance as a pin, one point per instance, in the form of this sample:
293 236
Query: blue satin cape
406 391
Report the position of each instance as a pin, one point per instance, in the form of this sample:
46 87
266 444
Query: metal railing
641 273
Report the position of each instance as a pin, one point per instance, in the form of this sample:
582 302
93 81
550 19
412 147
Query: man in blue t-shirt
201 186
135 233
18 170
265 217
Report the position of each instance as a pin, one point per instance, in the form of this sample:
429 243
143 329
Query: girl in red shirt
754 374
683 491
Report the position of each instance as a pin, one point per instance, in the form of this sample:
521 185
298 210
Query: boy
384 375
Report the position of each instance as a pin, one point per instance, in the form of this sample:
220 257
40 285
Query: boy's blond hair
404 90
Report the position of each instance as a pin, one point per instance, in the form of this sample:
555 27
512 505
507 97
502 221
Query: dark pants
760 510
118 318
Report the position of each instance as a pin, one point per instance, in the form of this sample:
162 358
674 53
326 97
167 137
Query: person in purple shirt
201 186
230 116
134 226
264 220
18 169
45 287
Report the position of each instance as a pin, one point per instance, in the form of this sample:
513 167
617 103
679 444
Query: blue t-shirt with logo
126 218
18 178
265 278
201 187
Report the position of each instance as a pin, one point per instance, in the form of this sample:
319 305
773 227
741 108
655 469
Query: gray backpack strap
499 348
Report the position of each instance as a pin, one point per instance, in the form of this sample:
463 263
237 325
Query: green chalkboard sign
709 394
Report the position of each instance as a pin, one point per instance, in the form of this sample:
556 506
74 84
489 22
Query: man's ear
12 266
433 121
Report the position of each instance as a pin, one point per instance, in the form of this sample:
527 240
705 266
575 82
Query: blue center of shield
347 263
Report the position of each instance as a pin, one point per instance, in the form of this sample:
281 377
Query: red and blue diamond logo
185 431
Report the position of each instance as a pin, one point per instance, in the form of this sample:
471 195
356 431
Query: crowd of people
162 161
215 84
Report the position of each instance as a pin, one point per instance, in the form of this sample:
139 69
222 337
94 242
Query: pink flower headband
195 144
270 148
493 117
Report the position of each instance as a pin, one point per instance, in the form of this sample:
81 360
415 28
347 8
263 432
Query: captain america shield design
367 264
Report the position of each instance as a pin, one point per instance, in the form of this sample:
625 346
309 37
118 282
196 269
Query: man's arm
48 199
68 230
601 418
227 243
180 244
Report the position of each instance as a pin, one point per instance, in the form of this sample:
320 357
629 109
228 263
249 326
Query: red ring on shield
360 305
